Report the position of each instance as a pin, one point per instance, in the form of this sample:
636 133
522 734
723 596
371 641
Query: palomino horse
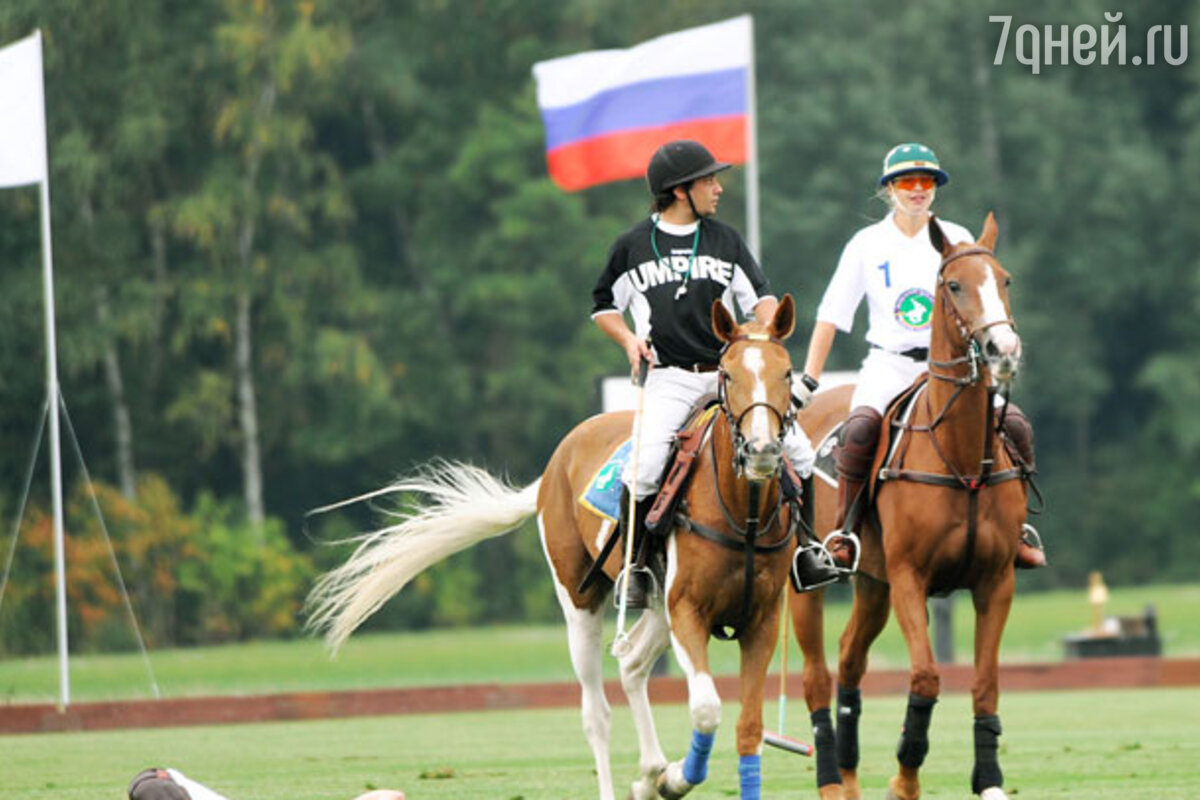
716 574
948 517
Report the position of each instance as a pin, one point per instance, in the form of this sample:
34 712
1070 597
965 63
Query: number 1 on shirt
887 273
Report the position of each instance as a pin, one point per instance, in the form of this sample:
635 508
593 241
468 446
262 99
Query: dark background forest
302 247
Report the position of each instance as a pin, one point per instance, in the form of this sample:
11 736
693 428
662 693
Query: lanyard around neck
691 258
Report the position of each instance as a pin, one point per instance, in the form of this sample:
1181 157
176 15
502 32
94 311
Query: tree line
303 246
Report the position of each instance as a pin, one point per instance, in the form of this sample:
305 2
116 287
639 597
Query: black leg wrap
826 743
849 710
987 767
914 739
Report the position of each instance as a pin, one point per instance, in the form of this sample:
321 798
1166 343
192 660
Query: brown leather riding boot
854 457
1030 554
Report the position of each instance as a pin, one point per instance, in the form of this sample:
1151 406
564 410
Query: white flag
22 114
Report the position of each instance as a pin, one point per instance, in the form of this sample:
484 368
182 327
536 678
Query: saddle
894 435
682 461
680 464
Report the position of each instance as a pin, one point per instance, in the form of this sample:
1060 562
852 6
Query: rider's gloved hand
803 389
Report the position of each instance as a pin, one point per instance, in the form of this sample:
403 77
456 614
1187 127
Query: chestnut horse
948 517
717 575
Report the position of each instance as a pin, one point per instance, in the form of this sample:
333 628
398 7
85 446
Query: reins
743 539
955 479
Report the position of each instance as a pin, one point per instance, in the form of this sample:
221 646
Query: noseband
969 335
786 418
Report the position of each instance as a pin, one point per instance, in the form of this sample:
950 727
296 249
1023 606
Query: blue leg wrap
695 766
750 777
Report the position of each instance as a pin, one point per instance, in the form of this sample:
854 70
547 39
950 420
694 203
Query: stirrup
1031 537
854 540
635 602
818 568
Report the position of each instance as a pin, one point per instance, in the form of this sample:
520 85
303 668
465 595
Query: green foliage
245 584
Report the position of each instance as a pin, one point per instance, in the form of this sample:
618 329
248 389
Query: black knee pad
849 703
987 766
914 739
825 741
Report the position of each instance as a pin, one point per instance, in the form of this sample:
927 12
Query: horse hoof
671 784
893 794
850 788
993 793
832 791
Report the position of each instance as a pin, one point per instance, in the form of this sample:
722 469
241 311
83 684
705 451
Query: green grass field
536 653
1129 744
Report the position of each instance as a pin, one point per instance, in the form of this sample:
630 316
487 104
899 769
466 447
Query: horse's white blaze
1003 336
760 422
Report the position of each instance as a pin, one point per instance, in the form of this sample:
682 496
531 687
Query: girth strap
938 479
725 540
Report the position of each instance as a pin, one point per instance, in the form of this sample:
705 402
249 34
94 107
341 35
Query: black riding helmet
678 162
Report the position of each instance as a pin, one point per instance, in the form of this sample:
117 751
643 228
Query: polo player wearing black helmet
666 271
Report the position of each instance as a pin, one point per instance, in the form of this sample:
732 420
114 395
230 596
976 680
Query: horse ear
990 231
784 321
936 237
723 323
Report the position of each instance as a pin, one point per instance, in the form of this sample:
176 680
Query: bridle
986 475
744 539
786 418
970 335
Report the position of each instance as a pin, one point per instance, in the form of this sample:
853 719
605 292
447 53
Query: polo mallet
621 642
779 739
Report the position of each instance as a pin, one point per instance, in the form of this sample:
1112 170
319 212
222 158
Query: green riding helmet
679 162
911 157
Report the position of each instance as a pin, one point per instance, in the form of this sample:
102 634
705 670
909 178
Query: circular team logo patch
914 309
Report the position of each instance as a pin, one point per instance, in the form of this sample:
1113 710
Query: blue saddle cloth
603 495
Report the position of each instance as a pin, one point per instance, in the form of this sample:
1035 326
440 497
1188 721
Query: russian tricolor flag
607 111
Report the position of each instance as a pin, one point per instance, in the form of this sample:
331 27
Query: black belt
691 367
915 353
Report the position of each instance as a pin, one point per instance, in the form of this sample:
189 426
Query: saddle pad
603 494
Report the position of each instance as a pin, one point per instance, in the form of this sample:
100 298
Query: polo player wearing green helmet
667 271
893 265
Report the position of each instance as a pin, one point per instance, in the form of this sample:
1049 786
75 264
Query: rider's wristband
809 381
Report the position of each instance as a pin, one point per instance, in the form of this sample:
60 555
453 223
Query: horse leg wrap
849 710
750 777
986 773
914 739
826 743
695 766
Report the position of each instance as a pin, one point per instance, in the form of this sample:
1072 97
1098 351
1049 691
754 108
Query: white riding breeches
669 395
882 377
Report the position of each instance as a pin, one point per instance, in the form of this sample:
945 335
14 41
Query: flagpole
753 230
60 571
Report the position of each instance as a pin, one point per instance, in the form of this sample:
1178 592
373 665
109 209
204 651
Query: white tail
465 505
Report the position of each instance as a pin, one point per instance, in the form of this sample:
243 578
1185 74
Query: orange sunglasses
917 180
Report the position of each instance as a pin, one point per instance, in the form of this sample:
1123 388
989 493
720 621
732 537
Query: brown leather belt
691 367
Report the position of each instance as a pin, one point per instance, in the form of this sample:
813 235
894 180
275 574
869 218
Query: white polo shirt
898 276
